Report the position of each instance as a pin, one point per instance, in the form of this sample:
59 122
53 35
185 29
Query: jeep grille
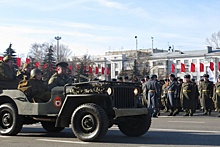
123 96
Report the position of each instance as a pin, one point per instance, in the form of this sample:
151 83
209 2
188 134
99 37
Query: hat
206 75
172 75
126 77
193 80
181 80
187 76
147 77
62 64
26 65
153 76
119 78
7 58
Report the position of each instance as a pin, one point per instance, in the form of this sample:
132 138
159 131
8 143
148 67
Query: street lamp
58 38
136 45
152 38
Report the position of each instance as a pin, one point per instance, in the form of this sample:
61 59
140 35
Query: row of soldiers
177 95
30 80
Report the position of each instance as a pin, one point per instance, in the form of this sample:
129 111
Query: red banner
173 68
107 71
193 67
103 70
96 70
45 66
183 69
90 70
37 64
201 68
27 60
211 66
1 58
18 61
218 66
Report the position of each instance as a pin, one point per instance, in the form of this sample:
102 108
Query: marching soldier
172 92
153 93
206 91
187 96
216 95
164 94
25 72
60 78
34 88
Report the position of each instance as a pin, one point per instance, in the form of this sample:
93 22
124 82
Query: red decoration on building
18 61
27 60
107 71
183 69
173 68
103 70
218 66
193 67
1 58
37 64
211 66
201 67
96 70
90 70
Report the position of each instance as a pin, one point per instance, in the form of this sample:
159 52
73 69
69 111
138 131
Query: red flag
173 68
18 61
201 68
183 69
218 66
90 70
193 67
27 60
37 64
71 67
45 66
103 70
96 70
107 71
1 58
211 66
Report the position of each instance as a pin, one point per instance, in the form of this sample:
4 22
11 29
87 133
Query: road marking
5 136
63 141
193 122
178 130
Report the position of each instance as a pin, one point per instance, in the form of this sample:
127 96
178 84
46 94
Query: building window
187 69
178 62
116 65
154 63
99 65
161 71
194 61
116 73
178 70
201 60
186 62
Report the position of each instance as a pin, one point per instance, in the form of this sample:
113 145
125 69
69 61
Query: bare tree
38 51
214 40
64 52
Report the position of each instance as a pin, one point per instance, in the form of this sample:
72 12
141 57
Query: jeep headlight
135 91
109 91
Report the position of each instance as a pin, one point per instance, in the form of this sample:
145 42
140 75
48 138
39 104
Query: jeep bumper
130 111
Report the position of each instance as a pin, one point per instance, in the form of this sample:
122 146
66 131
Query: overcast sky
97 26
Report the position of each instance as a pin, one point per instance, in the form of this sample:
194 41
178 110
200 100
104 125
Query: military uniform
216 96
187 96
57 80
172 93
35 90
22 74
152 93
206 91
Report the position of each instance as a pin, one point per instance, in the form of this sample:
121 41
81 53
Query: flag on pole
96 70
183 69
211 66
18 61
90 70
27 60
173 68
107 71
218 66
1 58
193 67
201 68
37 64
103 70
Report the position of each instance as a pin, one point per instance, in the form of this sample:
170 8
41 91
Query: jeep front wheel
89 122
135 126
50 127
10 122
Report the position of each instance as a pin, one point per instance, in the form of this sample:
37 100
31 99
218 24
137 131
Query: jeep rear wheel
89 122
50 127
135 126
10 122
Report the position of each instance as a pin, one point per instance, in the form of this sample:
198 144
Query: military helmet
35 71
172 75
206 75
7 58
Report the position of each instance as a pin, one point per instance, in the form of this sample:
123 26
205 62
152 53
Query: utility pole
136 46
58 38
152 38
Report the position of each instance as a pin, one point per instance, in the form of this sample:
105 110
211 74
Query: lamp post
136 45
58 38
152 38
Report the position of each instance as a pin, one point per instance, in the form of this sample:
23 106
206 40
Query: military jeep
90 108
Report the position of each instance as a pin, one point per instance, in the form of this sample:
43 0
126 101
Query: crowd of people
30 81
175 95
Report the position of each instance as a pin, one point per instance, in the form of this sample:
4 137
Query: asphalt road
165 131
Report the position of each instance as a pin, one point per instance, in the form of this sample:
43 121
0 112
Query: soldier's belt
170 91
187 91
152 91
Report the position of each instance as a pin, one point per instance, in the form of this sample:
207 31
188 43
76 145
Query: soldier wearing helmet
7 72
25 72
34 88
60 78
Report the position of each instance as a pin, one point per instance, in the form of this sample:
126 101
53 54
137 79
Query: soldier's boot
171 112
209 112
191 112
187 112
205 112
175 112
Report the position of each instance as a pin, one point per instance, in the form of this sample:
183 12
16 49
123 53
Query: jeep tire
135 126
50 127
89 122
10 122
